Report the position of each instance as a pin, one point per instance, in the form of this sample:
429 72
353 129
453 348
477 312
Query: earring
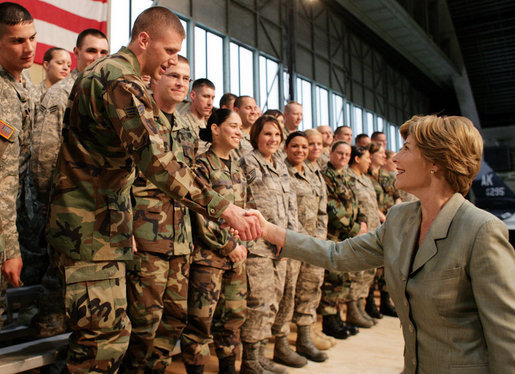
432 171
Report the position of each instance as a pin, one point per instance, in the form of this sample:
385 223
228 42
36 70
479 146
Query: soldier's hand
11 269
134 247
238 254
363 228
248 226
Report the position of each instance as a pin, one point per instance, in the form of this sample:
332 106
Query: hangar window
242 70
304 98
322 106
209 59
269 73
338 111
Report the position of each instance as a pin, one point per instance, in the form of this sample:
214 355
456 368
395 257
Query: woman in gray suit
448 265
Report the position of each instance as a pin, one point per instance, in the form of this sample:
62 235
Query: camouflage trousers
96 304
216 305
157 292
281 326
3 289
379 280
266 278
359 283
308 294
335 292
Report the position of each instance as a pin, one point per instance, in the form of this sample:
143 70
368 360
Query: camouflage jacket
391 193
343 207
195 125
212 243
111 125
323 159
380 194
160 224
46 138
311 194
16 115
269 191
366 194
243 148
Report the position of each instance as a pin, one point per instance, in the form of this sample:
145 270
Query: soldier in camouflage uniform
111 125
17 47
303 281
218 272
196 115
157 280
245 106
387 196
360 281
346 219
269 191
46 140
327 141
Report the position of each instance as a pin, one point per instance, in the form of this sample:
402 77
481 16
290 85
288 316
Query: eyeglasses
184 78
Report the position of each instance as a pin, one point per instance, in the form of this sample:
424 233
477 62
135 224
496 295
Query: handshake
250 225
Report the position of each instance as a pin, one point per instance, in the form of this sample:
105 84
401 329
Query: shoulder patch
6 131
134 110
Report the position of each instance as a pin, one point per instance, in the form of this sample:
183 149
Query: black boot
331 327
268 365
283 354
371 307
226 365
194 369
351 329
387 307
305 346
250 361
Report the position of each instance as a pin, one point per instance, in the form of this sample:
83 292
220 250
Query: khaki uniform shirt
366 195
311 194
46 139
270 192
16 114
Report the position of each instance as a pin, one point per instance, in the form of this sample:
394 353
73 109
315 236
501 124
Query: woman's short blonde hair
453 143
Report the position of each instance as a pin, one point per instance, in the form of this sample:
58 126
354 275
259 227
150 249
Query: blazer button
405 302
410 328
414 361
212 210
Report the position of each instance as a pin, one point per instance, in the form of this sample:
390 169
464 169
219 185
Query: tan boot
354 316
318 341
321 334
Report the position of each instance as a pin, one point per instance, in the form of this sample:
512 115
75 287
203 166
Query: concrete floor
376 350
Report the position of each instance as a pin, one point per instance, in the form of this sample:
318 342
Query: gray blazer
455 296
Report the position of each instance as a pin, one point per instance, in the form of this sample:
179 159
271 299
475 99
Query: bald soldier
112 125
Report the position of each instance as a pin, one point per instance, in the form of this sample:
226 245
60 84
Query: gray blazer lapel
410 233
438 230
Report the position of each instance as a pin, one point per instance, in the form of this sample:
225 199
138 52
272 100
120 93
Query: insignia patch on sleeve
135 110
251 176
6 131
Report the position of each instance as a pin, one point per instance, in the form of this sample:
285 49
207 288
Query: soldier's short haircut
183 59
13 14
289 105
359 137
202 82
49 54
294 135
240 99
155 20
337 143
227 98
94 32
375 134
339 129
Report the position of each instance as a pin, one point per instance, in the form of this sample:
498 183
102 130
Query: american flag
58 22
